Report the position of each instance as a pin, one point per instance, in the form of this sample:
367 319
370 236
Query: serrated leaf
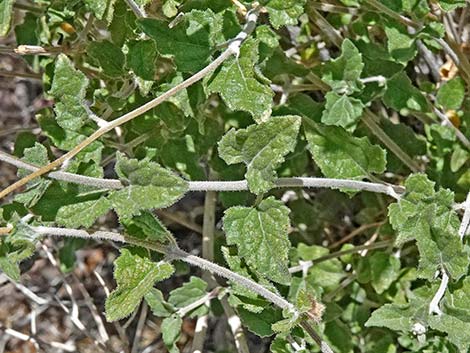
262 148
260 323
426 216
188 293
135 275
109 57
69 90
150 186
189 42
141 58
6 10
238 87
341 155
450 5
261 237
342 110
82 214
343 73
458 331
284 12
401 94
451 94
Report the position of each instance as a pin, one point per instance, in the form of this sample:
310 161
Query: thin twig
460 135
232 49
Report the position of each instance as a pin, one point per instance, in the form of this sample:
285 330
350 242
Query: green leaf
395 317
157 303
262 148
82 214
150 186
401 45
171 330
341 155
135 275
69 90
426 216
458 331
6 9
101 9
284 12
450 5
451 94
189 42
385 269
343 73
238 87
147 227
402 95
109 57
342 110
261 237
141 58
188 293
260 323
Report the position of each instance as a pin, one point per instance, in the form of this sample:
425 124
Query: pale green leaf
458 331
284 12
395 317
342 110
188 293
401 45
150 186
451 94
82 214
157 303
262 148
385 269
343 73
238 87
69 89
261 237
426 216
6 9
135 275
171 330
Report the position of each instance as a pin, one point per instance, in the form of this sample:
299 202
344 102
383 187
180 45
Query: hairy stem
232 49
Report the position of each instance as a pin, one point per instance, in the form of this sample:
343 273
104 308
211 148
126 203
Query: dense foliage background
371 94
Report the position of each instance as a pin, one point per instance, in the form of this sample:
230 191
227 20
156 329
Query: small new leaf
341 110
135 275
262 148
261 237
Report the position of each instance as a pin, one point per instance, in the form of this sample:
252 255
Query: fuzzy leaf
261 237
147 227
150 186
426 216
82 214
135 275
284 12
69 90
238 87
341 155
341 110
262 148
343 73
458 331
